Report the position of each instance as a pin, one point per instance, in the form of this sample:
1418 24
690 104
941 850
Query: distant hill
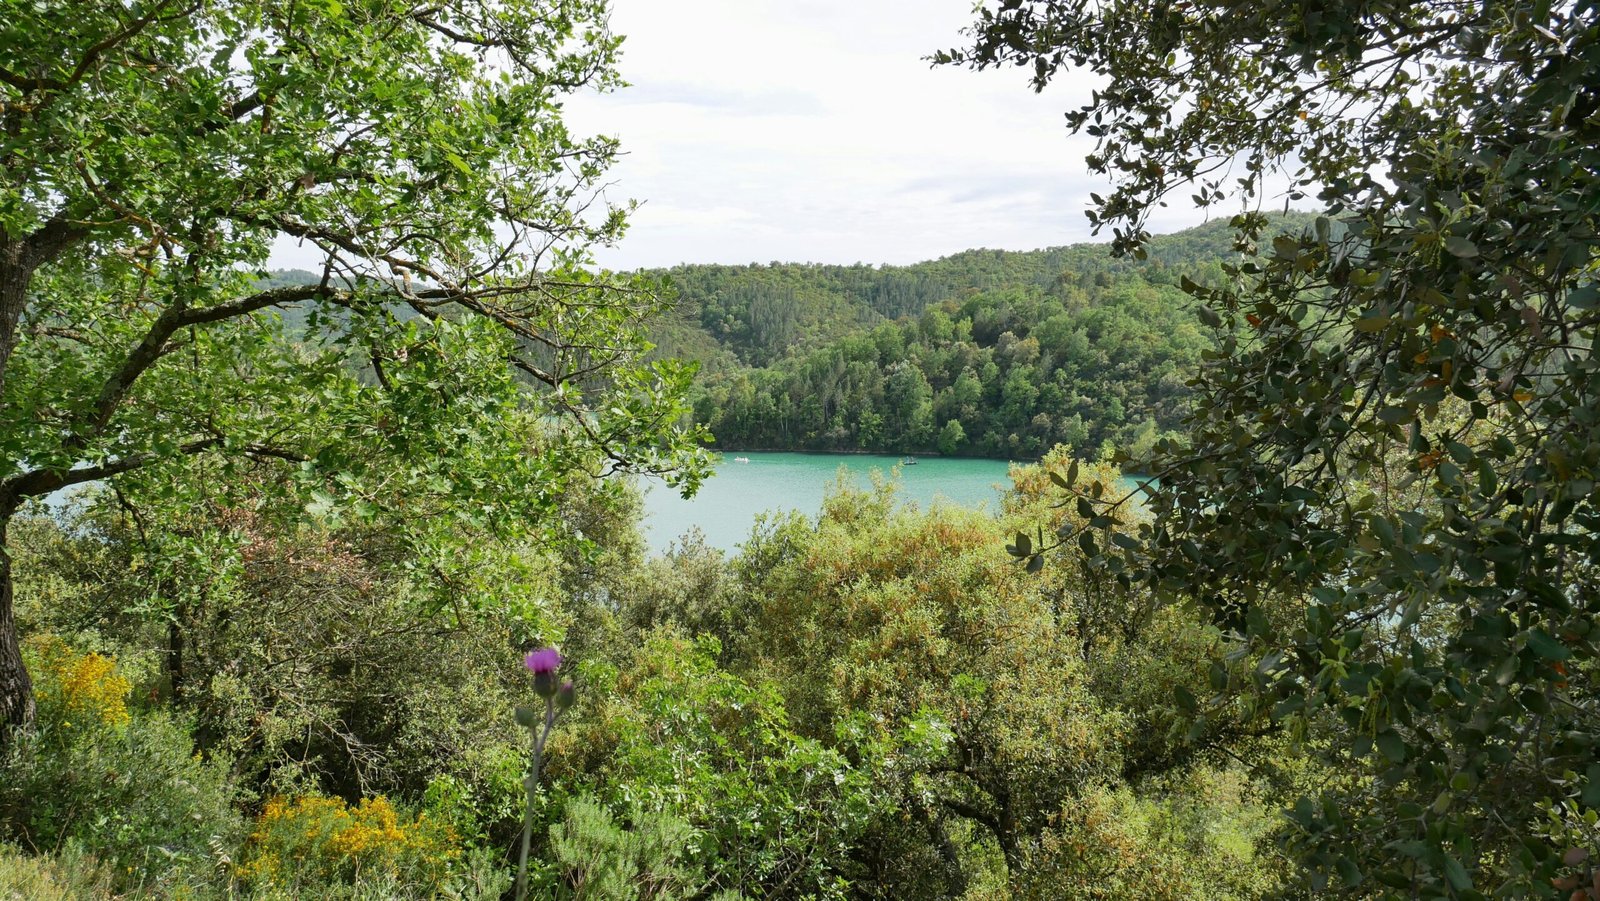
984 352
285 278
761 312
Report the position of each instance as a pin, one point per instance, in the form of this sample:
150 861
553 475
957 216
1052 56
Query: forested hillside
983 353
991 353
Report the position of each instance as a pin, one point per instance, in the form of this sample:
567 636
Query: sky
756 131
815 131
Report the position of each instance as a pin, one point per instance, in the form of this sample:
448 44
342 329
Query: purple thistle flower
542 661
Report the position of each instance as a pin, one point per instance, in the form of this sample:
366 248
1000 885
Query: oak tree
453 342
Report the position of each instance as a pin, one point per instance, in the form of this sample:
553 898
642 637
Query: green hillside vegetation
983 353
335 589
869 703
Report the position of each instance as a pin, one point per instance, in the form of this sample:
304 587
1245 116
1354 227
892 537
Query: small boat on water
909 461
741 459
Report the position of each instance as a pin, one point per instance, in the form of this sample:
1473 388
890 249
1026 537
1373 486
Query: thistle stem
539 738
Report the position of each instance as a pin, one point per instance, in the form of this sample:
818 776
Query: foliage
992 353
688 586
996 705
1386 492
452 350
124 787
599 860
1112 843
877 706
314 659
69 876
772 813
315 845
82 687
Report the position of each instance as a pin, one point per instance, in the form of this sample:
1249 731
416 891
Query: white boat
741 459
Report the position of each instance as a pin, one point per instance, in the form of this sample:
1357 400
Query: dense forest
984 353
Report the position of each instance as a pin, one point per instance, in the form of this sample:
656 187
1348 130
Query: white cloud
823 124
815 130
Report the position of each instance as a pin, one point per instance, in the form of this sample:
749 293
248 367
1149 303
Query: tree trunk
13 297
949 855
16 688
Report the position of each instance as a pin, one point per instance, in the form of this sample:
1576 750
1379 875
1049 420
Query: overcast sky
814 131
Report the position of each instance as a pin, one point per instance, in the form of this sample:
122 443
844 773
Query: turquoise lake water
729 502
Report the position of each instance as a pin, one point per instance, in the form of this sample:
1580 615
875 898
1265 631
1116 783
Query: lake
728 502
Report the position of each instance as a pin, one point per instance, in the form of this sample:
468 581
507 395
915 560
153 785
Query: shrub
312 846
85 688
123 786
773 813
68 876
598 860
1198 837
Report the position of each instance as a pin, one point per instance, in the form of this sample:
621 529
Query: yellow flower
85 686
335 839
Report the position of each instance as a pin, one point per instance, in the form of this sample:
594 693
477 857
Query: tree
951 437
154 152
1387 489
908 401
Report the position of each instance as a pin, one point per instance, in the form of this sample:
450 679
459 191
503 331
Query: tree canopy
452 347
982 353
1387 488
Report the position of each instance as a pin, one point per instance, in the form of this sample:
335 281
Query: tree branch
94 53
150 349
246 305
38 482
961 808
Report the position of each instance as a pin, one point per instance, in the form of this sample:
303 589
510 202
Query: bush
85 689
598 860
68 876
1201 838
314 846
772 813
124 786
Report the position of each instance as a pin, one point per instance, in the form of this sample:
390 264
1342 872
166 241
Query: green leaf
1023 546
1349 873
1390 744
1544 645
1460 246
1218 677
1456 874
1185 699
